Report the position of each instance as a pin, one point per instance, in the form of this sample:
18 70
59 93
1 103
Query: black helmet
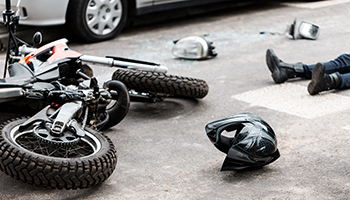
253 145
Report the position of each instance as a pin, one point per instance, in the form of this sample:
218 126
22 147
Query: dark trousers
340 65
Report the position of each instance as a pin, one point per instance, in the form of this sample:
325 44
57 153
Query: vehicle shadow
169 108
238 176
8 111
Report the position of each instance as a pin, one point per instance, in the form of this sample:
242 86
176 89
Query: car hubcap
103 16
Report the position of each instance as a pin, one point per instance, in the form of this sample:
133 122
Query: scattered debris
305 30
194 48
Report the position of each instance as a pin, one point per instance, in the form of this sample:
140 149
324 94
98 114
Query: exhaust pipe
10 94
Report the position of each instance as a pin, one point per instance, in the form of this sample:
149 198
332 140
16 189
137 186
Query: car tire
86 17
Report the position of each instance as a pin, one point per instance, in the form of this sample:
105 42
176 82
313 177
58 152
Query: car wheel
96 20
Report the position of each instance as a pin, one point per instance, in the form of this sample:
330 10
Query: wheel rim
111 104
103 16
87 146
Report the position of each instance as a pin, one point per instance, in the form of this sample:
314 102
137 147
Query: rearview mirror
37 39
305 29
293 31
309 30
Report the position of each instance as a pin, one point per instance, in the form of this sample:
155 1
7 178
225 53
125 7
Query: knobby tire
177 86
55 172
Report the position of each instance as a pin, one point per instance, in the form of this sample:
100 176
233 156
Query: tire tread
48 172
178 86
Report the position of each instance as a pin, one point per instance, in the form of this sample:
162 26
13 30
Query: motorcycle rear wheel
176 86
26 157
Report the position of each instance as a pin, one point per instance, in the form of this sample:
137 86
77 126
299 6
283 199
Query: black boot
282 71
321 81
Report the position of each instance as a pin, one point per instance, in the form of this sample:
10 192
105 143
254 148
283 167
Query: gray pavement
163 150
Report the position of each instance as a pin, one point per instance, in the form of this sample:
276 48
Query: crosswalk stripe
294 99
316 5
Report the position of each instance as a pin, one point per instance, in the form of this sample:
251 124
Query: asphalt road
163 150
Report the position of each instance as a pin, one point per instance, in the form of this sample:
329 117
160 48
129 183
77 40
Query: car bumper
40 12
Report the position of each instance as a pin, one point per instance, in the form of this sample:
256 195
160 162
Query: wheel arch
131 7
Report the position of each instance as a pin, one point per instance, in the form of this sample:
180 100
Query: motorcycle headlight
193 47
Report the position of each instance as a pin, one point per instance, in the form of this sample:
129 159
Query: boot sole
317 78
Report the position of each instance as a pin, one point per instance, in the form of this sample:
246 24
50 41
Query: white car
91 20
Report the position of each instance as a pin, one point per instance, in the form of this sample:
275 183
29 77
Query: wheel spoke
101 27
110 24
114 5
77 152
93 22
96 3
116 13
39 147
28 141
53 152
67 152
92 11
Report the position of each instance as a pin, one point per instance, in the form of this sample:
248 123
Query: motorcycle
61 146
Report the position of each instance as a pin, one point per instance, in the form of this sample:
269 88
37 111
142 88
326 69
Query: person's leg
340 64
345 84
281 71
321 81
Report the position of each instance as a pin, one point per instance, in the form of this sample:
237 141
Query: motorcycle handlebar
124 64
110 61
25 50
8 5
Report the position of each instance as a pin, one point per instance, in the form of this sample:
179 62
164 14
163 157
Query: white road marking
295 100
316 5
346 127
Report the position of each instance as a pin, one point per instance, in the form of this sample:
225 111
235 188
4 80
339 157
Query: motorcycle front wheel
119 107
70 165
176 86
